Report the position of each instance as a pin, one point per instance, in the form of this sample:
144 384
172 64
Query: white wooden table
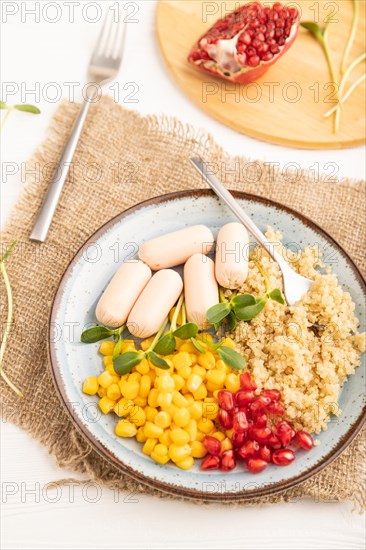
35 54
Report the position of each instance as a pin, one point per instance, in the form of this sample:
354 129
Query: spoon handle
233 204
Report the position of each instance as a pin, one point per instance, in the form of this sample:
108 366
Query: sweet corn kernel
198 449
193 382
145 385
128 345
179 318
181 359
179 342
106 348
102 391
229 343
150 412
216 394
194 358
145 344
184 390
153 398
107 361
165 383
181 417
226 444
160 449
152 375
188 346
113 392
125 429
196 410
124 407
179 436
153 431
179 400
178 381
134 377
165 400
217 377
232 382
110 368
149 445
165 438
140 436
191 428
178 453
200 393
207 337
200 436
170 409
219 435
209 400
140 401
206 425
185 464
201 371
184 371
220 365
106 405
105 379
138 416
229 433
210 410
159 459
130 390
91 385
162 419
206 360
189 398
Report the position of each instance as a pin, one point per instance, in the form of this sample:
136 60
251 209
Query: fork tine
102 41
120 37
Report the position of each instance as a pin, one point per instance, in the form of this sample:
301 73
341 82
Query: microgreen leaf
232 321
166 344
276 295
27 108
125 362
157 361
218 312
243 300
231 358
8 252
214 347
197 345
3 105
94 334
248 313
117 348
312 27
186 331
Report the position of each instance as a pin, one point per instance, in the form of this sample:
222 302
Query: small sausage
122 292
154 304
231 267
200 289
175 248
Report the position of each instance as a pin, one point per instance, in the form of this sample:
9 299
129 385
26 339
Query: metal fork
294 285
103 67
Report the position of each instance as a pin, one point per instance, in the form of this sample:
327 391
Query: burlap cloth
123 159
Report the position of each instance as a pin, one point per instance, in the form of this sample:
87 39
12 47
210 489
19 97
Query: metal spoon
294 285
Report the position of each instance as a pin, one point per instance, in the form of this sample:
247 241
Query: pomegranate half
245 43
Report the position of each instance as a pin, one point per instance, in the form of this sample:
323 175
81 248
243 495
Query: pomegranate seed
225 419
212 445
228 461
304 440
280 23
240 421
277 6
246 38
260 434
262 28
262 48
265 453
210 463
238 439
284 432
293 13
260 403
251 51
275 49
283 457
267 56
256 43
275 408
260 420
249 448
226 400
246 382
281 41
259 36
274 442
256 465
274 395
244 397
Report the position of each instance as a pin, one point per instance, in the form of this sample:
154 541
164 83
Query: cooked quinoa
306 351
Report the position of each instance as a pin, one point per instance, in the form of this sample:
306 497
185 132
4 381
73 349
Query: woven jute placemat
122 159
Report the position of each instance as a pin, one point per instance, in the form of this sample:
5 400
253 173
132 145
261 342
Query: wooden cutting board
286 105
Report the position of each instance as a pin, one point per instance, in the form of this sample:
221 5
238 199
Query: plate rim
103 451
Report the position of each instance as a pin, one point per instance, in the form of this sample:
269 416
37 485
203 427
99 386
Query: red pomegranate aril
304 440
260 403
212 445
274 442
244 397
246 382
262 48
256 43
293 13
280 23
276 408
225 419
251 51
256 465
265 453
226 400
260 434
228 461
262 28
246 38
210 463
267 56
281 41
240 421
283 457
260 420
284 432
278 33
274 395
249 448
238 439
